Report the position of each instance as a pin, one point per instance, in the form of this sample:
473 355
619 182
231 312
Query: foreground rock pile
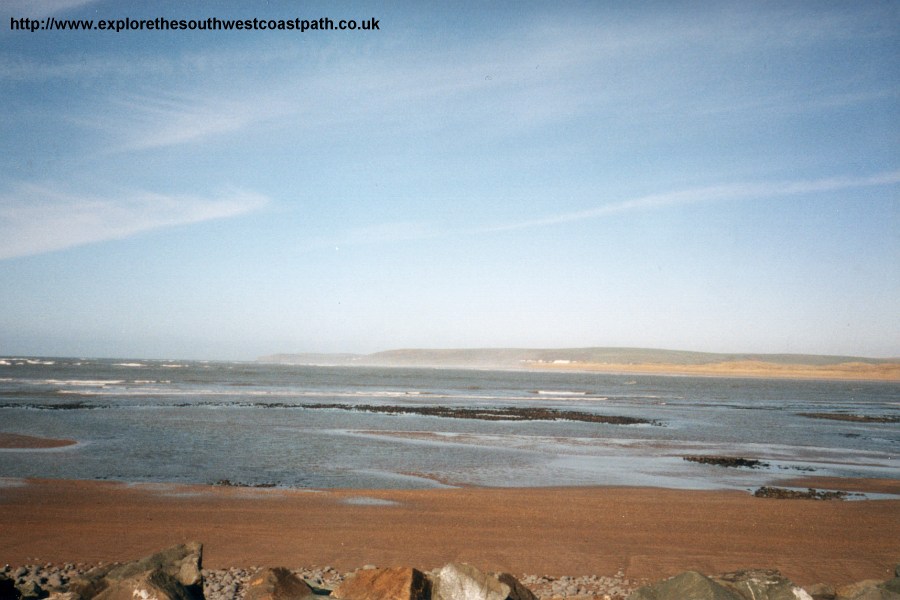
176 574
762 584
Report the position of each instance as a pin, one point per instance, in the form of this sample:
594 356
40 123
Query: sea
289 426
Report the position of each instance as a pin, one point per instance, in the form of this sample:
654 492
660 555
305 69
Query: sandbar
15 440
649 532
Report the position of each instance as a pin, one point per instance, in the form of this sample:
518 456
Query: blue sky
704 176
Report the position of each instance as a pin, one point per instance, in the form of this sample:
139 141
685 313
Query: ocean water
256 424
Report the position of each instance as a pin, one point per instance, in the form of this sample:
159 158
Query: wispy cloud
161 121
526 80
35 219
41 8
718 193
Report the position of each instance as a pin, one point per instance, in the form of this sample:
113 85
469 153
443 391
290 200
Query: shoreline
649 533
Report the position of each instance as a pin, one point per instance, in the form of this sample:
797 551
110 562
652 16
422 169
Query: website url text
209 24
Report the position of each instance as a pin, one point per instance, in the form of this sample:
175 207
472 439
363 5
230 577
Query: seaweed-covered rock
810 494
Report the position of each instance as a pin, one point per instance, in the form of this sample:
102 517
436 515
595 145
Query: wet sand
651 533
15 440
873 486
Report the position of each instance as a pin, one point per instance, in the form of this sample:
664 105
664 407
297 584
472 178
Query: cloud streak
42 8
167 121
35 219
720 193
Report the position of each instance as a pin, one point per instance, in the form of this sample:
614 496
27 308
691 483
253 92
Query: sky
709 176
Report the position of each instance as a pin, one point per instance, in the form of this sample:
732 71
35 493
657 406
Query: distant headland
617 360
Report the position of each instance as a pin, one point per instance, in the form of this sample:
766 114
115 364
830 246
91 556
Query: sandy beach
650 533
852 371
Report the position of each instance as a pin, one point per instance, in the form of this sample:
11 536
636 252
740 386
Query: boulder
153 585
180 564
277 584
8 590
685 586
870 589
821 591
763 584
517 591
464 582
400 583
30 590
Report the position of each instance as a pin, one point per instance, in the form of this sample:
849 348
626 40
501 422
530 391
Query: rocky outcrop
810 494
277 584
727 461
401 583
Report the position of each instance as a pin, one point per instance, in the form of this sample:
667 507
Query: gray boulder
821 591
685 586
517 591
464 582
31 590
870 589
893 585
277 584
